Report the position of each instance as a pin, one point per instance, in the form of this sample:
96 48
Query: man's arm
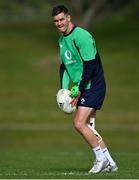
87 74
64 77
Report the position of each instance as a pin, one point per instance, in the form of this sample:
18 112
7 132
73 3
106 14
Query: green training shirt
76 47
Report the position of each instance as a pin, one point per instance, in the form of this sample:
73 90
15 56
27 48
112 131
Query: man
81 65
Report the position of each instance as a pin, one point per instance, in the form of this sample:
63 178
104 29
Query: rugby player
81 65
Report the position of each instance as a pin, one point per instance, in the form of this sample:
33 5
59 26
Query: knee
78 124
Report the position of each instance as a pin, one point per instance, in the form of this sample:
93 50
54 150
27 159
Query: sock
108 156
99 153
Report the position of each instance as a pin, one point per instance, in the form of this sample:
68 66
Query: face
62 22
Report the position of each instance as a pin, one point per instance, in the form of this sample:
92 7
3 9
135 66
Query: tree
87 11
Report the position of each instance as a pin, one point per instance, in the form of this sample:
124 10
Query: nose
59 23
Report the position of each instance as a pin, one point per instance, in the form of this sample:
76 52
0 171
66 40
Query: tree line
83 11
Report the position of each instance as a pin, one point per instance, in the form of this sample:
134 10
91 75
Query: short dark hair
59 9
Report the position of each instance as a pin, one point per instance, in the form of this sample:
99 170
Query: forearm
87 74
64 77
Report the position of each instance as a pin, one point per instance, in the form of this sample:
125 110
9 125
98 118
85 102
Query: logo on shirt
68 54
82 101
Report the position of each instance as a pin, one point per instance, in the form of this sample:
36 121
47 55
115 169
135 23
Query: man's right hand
74 91
75 99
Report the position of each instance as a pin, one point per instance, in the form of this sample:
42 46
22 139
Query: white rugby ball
63 100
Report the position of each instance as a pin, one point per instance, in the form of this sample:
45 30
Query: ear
68 17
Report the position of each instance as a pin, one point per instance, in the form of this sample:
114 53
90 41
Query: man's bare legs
81 125
92 118
91 124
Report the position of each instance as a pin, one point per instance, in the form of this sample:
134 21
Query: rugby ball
63 100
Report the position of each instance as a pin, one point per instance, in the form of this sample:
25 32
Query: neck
70 27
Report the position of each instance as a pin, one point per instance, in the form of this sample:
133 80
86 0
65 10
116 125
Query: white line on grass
64 127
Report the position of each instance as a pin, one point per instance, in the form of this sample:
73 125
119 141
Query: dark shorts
93 97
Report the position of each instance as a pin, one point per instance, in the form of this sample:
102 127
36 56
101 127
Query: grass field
36 139
39 154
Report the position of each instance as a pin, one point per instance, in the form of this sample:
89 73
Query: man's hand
74 91
75 99
75 94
